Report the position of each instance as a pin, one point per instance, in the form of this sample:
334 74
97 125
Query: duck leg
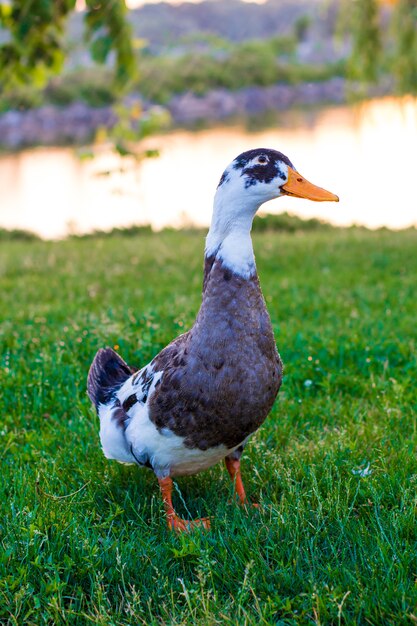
173 520
233 467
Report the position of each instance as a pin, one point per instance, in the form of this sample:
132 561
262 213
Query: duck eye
262 159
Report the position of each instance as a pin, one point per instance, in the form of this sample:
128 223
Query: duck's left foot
175 522
184 526
233 467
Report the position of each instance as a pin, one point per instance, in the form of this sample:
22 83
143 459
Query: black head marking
224 179
273 155
261 172
249 182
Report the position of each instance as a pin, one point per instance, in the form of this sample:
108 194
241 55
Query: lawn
83 539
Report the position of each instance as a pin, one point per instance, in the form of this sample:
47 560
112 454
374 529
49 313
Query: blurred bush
17 235
288 223
376 41
90 85
263 223
404 58
223 65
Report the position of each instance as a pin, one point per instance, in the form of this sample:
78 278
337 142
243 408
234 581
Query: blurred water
365 154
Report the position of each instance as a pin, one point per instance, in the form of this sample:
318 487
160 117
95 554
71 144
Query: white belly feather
141 441
166 451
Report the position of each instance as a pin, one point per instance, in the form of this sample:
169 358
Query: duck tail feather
107 373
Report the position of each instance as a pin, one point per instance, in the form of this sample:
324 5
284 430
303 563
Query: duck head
254 177
259 175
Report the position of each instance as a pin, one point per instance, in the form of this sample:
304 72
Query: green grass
83 539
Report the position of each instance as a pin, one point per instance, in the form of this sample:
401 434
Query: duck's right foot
233 467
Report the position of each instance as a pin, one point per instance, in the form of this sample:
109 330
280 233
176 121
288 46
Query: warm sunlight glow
355 152
134 4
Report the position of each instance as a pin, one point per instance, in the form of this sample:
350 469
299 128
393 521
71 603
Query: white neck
229 235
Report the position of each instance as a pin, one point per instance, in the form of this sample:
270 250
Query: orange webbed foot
247 504
179 525
176 523
250 505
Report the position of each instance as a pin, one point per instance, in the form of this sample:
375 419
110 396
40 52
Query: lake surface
365 153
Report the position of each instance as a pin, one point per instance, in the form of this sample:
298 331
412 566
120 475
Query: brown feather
221 378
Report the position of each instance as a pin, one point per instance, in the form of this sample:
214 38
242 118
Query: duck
207 392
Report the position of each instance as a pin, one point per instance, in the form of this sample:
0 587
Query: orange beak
299 187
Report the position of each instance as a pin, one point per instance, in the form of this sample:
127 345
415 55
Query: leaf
100 48
123 149
5 12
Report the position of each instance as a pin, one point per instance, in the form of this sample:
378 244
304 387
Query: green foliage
222 65
91 85
83 539
283 46
133 125
255 62
211 42
365 61
405 55
108 30
381 48
287 223
35 47
17 235
35 29
302 26
22 97
129 231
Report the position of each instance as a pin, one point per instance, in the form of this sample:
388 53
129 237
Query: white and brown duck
201 398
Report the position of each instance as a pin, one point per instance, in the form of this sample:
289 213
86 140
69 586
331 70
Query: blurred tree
34 50
405 58
34 47
364 63
301 27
